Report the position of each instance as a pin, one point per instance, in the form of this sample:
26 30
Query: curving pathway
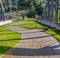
34 44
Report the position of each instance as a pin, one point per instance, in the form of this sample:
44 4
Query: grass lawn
32 23
55 33
19 20
15 22
52 31
8 39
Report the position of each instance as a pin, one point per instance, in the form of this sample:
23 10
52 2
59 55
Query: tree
39 9
31 13
23 4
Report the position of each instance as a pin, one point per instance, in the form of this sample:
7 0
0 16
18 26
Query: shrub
31 14
39 10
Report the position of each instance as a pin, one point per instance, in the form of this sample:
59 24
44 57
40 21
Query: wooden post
56 11
45 15
10 9
48 11
52 10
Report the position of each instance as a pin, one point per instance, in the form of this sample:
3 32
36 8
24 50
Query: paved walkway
34 44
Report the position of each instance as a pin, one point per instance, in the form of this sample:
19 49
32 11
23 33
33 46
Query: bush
14 7
31 14
39 10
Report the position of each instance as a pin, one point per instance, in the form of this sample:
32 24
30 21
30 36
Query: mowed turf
31 23
8 39
52 31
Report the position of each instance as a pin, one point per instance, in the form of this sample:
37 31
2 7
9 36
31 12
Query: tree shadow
13 25
46 51
3 30
10 39
36 37
30 32
3 49
8 33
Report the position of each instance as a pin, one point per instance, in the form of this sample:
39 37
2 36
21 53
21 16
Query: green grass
55 33
15 22
52 31
32 23
8 39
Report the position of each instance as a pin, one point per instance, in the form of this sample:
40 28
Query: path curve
34 44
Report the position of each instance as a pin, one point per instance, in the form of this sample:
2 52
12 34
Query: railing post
10 9
56 11
52 10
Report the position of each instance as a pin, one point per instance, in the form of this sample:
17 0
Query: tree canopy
34 6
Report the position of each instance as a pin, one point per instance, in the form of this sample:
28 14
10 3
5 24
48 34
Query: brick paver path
34 44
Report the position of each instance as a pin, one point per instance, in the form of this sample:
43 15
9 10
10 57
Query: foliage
31 23
14 7
35 10
52 31
31 13
39 9
34 6
23 4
